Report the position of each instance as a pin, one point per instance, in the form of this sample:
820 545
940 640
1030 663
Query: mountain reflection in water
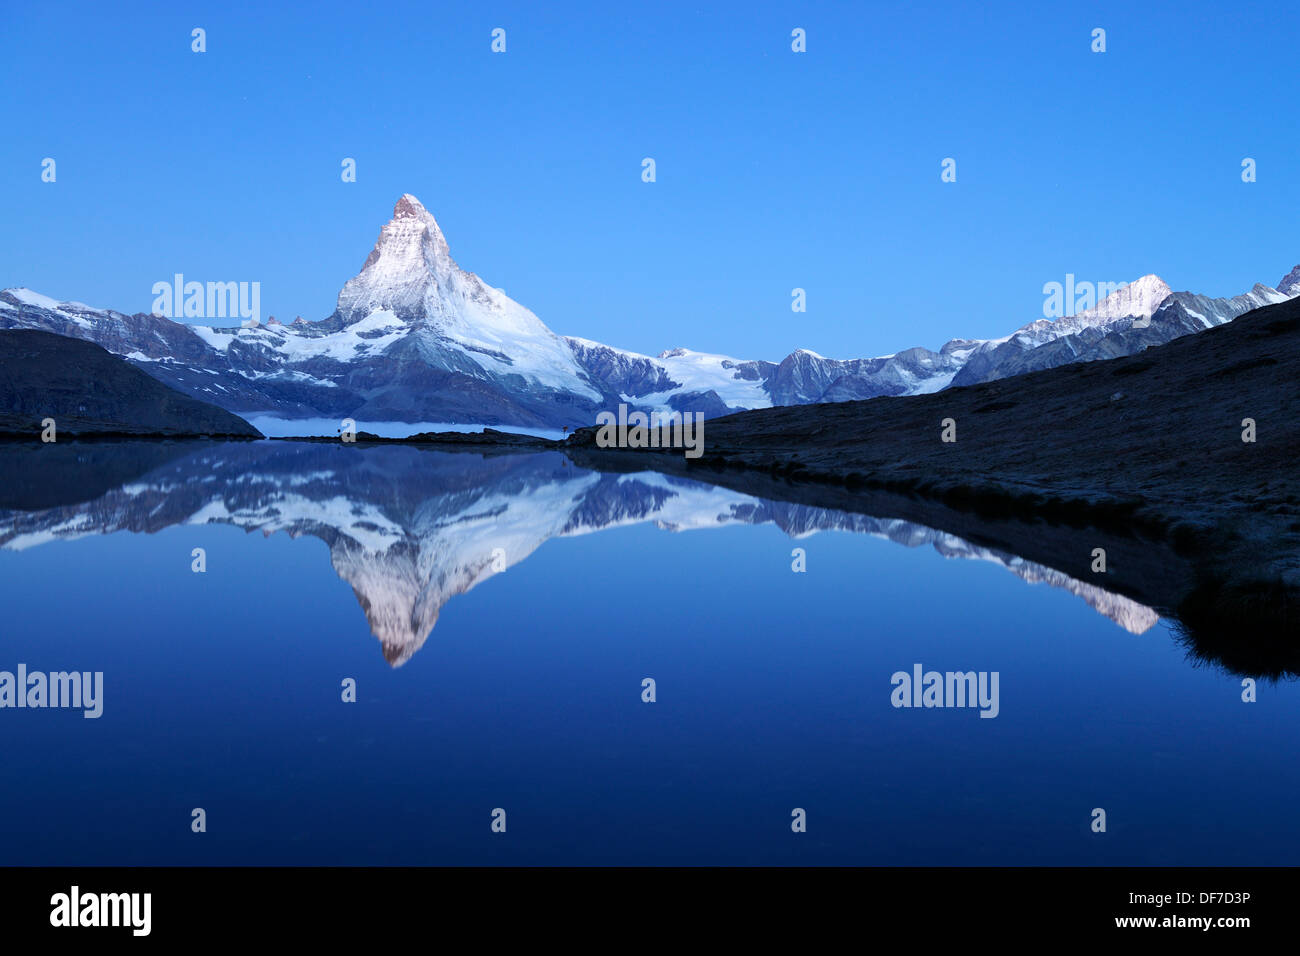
409 529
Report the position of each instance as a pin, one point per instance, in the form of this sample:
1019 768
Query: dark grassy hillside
89 391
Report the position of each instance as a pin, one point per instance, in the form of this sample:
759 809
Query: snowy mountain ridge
416 338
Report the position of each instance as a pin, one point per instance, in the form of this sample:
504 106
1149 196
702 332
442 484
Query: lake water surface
499 616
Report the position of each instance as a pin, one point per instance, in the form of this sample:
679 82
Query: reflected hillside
409 529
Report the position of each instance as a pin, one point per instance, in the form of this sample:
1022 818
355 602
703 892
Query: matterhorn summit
409 264
410 279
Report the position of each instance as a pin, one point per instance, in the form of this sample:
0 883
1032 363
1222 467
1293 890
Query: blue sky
775 170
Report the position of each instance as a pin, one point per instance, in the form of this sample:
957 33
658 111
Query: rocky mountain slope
88 391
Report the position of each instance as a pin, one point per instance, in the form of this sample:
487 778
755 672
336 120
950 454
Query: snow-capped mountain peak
1290 284
465 323
408 207
410 259
1139 299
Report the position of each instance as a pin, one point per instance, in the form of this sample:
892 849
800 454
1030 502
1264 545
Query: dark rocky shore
488 438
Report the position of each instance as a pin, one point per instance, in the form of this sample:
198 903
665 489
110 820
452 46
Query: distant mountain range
415 338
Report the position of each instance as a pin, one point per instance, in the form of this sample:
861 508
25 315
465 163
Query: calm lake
499 617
